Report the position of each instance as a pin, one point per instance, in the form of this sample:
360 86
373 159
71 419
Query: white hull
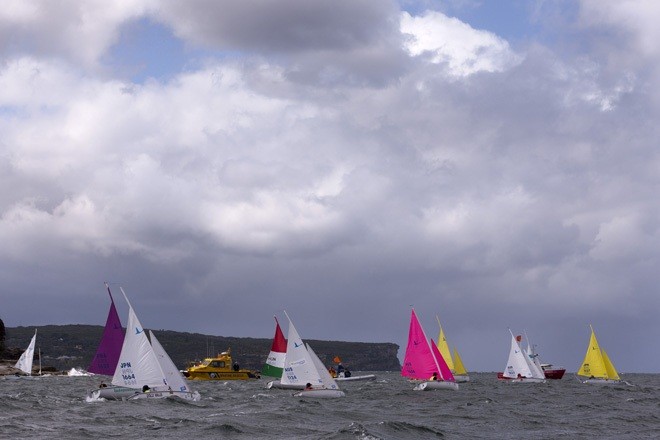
524 380
284 386
461 379
436 385
321 393
123 393
597 381
363 377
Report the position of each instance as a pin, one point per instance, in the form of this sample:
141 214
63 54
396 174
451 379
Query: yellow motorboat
219 368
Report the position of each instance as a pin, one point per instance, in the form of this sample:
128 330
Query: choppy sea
55 408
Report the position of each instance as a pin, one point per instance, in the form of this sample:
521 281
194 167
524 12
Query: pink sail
418 362
107 355
445 372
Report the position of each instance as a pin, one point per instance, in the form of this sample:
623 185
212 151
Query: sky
495 164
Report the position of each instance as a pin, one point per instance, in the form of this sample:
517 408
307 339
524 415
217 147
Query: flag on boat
274 365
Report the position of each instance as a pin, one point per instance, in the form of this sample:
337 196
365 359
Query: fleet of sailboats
597 368
141 368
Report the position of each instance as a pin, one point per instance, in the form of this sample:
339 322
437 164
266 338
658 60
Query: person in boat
340 370
146 389
236 367
103 385
435 376
347 373
308 386
332 372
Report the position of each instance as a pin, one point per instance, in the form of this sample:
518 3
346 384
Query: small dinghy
144 369
423 361
597 367
304 370
520 368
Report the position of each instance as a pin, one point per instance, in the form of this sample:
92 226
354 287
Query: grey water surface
56 408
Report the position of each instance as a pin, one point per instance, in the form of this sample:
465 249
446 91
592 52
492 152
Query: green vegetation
67 346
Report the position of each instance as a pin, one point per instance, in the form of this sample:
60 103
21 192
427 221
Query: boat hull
284 386
352 378
436 385
461 378
123 393
320 394
597 381
501 376
219 375
554 374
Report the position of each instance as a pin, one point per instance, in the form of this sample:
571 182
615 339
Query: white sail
25 361
174 378
299 369
518 363
324 375
138 365
534 362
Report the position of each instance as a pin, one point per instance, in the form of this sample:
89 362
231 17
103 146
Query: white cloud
637 17
449 41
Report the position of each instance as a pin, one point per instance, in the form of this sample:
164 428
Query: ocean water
56 408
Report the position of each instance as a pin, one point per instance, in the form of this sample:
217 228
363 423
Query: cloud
80 31
449 41
321 156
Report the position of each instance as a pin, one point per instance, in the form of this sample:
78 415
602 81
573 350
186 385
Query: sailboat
27 358
328 387
549 372
455 364
519 367
274 365
596 366
107 355
302 369
342 374
423 361
144 370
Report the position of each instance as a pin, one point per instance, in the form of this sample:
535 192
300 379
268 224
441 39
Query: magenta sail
445 372
107 355
419 362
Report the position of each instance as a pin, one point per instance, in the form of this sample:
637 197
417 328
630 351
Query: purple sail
107 355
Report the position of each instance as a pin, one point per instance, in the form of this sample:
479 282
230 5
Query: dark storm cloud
322 161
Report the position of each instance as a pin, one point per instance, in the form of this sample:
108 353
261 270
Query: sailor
103 385
332 372
435 376
146 389
308 386
340 370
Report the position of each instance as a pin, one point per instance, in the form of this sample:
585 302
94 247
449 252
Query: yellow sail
593 364
458 364
443 347
609 367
